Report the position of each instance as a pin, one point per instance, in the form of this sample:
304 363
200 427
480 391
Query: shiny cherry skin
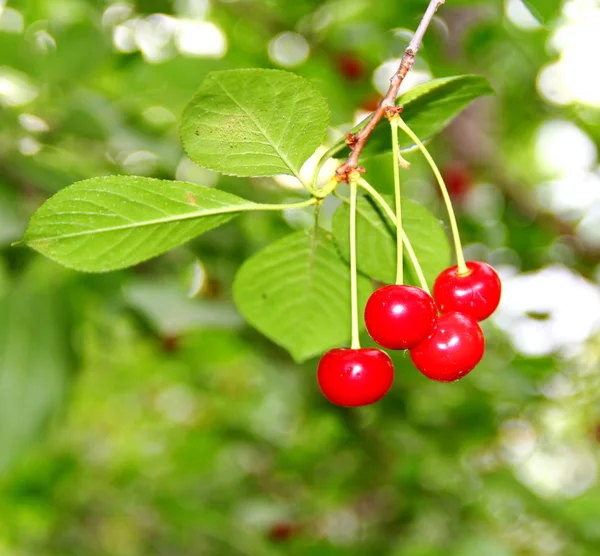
399 317
452 350
476 294
355 377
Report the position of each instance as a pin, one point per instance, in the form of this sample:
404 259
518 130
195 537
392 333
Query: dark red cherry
371 102
452 350
399 317
283 531
351 66
458 180
476 294
355 377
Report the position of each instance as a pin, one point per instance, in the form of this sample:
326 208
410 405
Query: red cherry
282 531
351 66
170 343
371 102
452 350
476 294
355 377
399 317
458 180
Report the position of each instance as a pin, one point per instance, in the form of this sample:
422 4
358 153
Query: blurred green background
140 416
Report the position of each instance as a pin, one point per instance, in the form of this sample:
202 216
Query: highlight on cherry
312 292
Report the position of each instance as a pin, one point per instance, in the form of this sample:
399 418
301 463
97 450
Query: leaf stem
327 189
284 206
353 278
398 198
409 249
314 191
460 257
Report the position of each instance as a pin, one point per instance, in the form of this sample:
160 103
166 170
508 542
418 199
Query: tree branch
387 106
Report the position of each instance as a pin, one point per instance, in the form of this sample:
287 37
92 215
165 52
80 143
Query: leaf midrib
276 147
145 223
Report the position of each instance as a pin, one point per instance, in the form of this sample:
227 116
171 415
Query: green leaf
376 239
36 358
114 222
296 292
428 109
544 10
254 122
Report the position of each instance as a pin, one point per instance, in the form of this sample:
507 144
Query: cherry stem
409 249
399 227
353 278
460 257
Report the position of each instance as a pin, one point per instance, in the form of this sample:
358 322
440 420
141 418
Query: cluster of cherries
444 346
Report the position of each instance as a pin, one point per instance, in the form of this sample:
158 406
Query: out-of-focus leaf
171 312
4 278
544 10
11 221
36 358
254 122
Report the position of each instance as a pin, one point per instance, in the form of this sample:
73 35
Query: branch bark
387 106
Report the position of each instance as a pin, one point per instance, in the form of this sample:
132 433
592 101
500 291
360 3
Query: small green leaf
544 10
428 109
36 358
376 239
296 292
114 222
254 122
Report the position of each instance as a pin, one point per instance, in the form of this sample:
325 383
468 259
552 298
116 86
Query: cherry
170 343
371 102
355 377
458 180
452 350
399 317
351 66
476 294
282 531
